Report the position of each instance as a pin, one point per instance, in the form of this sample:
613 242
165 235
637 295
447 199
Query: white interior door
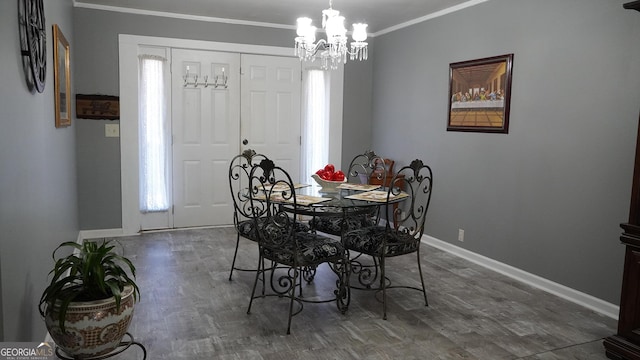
206 135
270 109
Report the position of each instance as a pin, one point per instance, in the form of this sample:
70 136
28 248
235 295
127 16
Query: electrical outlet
460 235
112 130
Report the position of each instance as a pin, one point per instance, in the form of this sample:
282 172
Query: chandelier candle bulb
311 35
304 23
359 32
335 27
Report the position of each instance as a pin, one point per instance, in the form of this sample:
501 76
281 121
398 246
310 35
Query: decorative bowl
327 185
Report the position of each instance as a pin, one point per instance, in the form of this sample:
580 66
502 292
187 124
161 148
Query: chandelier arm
313 49
321 44
351 53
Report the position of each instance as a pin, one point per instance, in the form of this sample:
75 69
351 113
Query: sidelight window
315 122
153 135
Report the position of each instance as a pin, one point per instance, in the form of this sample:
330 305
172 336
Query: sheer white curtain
315 123
153 135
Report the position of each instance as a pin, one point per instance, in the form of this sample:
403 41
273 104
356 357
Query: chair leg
375 267
235 254
263 276
343 295
424 290
255 282
383 285
292 295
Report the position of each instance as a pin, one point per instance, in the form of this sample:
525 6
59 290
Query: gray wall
548 197
97 73
358 90
38 202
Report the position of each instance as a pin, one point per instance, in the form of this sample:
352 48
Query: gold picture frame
62 78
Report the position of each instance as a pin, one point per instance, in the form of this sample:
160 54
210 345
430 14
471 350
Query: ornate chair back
363 166
270 188
239 172
416 179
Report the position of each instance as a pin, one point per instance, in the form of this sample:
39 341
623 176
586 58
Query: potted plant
88 305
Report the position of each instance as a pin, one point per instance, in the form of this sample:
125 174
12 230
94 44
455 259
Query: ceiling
381 15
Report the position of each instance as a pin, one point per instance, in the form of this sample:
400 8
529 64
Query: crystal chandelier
334 49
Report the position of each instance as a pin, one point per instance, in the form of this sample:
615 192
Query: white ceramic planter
92 328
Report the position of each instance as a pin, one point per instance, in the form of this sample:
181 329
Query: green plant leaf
92 271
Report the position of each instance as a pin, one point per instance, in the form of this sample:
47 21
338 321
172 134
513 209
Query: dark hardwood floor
190 310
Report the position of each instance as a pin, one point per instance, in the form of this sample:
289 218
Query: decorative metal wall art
33 42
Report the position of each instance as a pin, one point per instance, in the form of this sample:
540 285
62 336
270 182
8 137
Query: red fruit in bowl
338 176
330 168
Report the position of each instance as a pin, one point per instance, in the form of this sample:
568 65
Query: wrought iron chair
273 198
400 235
239 171
362 168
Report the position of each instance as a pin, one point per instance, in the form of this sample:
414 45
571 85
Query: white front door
206 135
271 93
270 124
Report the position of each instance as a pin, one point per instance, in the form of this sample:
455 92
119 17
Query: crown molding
429 17
80 4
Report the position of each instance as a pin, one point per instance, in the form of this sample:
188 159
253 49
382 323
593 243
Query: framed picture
479 95
61 77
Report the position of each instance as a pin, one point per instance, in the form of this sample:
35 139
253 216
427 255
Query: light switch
112 130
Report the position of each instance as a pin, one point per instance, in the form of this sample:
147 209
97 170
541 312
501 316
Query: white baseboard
575 296
101 233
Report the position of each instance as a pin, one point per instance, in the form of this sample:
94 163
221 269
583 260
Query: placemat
283 187
363 187
376 195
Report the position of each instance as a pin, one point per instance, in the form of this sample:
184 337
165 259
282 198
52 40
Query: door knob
245 142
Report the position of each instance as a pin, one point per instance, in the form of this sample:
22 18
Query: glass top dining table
352 199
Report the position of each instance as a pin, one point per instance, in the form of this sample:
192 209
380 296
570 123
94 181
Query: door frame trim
128 72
